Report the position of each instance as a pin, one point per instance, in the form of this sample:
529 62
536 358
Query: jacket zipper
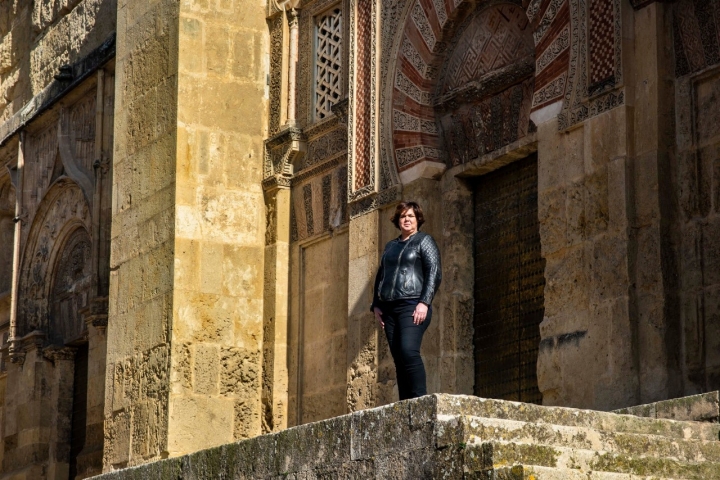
394 283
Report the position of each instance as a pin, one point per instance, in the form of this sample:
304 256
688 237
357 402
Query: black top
408 270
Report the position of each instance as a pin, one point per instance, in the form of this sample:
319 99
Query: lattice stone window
328 62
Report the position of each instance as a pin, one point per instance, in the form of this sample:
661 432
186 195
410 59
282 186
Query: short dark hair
402 208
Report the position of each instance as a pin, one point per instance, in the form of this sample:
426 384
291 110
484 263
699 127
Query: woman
408 277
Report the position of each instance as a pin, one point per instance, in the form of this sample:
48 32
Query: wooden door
509 283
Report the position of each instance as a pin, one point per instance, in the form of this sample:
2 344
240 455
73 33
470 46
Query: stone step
493 455
525 472
458 405
478 430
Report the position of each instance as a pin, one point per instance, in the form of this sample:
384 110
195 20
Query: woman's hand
378 317
420 313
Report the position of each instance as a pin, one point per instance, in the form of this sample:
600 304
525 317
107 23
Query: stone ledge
696 408
457 437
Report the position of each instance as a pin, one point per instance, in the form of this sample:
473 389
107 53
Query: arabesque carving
63 210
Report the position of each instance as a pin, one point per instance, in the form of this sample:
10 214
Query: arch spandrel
63 211
424 40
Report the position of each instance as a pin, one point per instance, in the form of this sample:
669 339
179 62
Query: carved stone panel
696 31
71 287
63 211
485 93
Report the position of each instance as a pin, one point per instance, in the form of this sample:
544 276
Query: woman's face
408 222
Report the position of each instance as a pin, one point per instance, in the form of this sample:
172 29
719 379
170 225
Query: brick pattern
363 105
601 42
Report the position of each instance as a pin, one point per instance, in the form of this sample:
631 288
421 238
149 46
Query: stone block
575 213
217 49
191 41
560 155
606 138
567 280
697 408
239 371
202 317
552 211
241 269
617 195
324 443
206 369
247 416
596 202
609 268
199 421
389 430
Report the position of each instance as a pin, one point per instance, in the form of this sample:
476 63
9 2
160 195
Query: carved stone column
275 305
293 20
17 176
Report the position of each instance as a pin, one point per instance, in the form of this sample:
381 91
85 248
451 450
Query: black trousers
404 338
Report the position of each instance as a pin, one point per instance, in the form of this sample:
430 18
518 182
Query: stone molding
58 354
638 4
96 312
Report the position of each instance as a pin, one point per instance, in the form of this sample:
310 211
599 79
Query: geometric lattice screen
328 62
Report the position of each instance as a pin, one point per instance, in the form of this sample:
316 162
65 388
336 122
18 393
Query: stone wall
38 37
184 343
457 437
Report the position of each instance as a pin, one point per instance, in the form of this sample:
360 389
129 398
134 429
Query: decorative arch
426 36
450 56
63 212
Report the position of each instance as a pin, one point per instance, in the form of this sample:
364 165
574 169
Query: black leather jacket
409 269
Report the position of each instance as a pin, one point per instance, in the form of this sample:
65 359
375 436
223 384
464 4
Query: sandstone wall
38 37
184 345
318 338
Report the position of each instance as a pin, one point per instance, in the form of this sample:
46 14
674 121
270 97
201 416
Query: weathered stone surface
444 436
697 408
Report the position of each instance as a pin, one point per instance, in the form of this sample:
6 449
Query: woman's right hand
378 317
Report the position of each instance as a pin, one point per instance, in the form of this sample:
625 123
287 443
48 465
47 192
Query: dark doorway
509 283
79 412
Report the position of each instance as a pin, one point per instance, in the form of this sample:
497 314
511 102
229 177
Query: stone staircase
509 440
462 437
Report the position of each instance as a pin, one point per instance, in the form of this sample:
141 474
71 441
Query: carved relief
276 72
319 203
696 31
590 55
82 131
497 112
42 164
71 288
63 210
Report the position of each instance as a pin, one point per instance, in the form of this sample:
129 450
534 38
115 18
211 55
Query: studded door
509 283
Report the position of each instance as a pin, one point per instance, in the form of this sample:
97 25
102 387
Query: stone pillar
17 175
184 358
362 329
39 411
654 233
275 307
